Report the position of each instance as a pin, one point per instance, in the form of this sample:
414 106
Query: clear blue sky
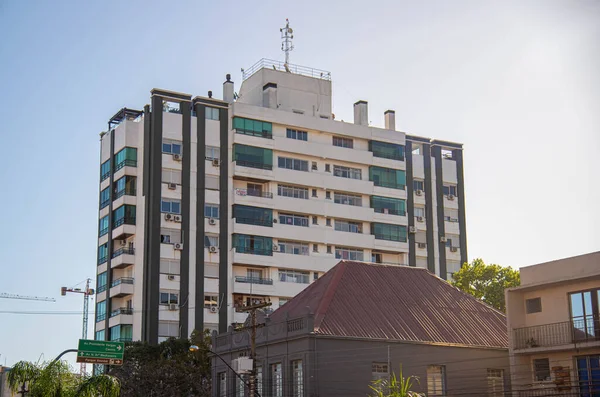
517 82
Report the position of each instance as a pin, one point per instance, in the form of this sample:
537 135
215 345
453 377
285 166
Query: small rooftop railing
282 67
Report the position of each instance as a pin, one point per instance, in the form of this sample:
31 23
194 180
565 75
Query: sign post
100 352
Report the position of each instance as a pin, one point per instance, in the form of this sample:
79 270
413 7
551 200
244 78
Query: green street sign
100 352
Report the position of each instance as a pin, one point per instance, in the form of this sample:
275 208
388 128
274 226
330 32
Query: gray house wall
342 366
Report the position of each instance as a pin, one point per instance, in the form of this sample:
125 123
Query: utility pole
253 327
87 292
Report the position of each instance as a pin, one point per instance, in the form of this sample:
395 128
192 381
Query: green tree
397 386
486 282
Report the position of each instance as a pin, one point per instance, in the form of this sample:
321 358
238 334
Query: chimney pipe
390 120
210 94
228 89
361 113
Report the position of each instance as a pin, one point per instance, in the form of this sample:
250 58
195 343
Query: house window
121 333
168 329
102 253
211 301
387 150
584 314
541 369
314 193
436 382
125 214
495 381
292 164
276 380
315 247
327 167
533 305
295 134
349 254
126 157
105 197
169 266
124 186
294 276
292 191
387 177
211 211
211 241
343 142
295 220
253 157
329 250
291 247
171 147
171 176
212 113
328 195
588 375
347 199
348 226
259 380
420 212
384 231
211 182
169 297
101 311
222 384
212 153
104 170
328 221
170 236
100 335
450 190
315 276
297 379
253 215
418 185
315 220
347 172
254 245
253 127
379 371
103 226
314 166
101 282
170 206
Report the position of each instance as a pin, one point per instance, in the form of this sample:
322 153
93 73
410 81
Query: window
100 335
295 134
170 236
125 214
253 157
126 157
495 380
450 190
328 221
450 215
388 205
121 333
384 231
584 314
170 206
347 199
451 268
253 215
348 226
315 247
171 176
211 301
211 113
169 266
379 371
315 220
329 250
295 220
211 240
292 247
101 311
436 382
292 164
211 211
347 172
276 380
343 142
259 380
105 197
256 245
169 297
222 384
452 241
349 254
171 147
420 212
387 150
533 305
327 167
314 193
253 127
588 375
124 186
168 328
315 276
101 282
212 153
240 386
102 253
104 170
103 226
297 379
541 369
418 184
314 166
387 177
211 182
328 195
283 301
294 276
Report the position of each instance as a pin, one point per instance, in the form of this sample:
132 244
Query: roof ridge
329 294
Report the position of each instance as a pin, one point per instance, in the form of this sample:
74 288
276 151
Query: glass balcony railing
254 251
254 280
123 251
122 280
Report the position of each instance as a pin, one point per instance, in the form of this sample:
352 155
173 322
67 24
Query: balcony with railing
121 287
576 331
253 193
254 280
121 310
254 251
122 258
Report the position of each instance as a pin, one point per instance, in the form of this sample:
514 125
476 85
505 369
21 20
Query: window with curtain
171 176
253 127
168 328
126 157
292 247
121 333
256 245
101 311
211 240
105 197
387 150
294 276
253 215
102 253
293 219
103 226
347 172
125 214
388 205
169 297
253 157
348 226
104 170
387 177
385 231
419 184
347 199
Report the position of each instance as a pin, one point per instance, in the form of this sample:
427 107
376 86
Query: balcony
253 285
255 221
125 192
253 193
122 258
567 333
121 315
254 280
558 391
121 287
254 251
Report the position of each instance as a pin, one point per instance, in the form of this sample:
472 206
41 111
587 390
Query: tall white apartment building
207 205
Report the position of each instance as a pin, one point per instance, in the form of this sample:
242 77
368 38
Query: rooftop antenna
286 45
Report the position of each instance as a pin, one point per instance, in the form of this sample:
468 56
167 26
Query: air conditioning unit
412 229
178 246
212 249
275 247
242 364
275 220
213 309
419 219
177 218
443 239
453 249
172 186
212 221
419 192
168 217
173 306
177 157
421 245
171 277
216 163
450 197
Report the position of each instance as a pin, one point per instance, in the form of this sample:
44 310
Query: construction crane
87 292
28 298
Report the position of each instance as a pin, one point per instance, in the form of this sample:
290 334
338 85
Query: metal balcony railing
254 280
255 222
127 162
121 310
122 280
253 193
125 192
282 67
124 250
564 333
252 164
587 390
124 221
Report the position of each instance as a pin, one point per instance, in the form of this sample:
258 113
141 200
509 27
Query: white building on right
553 321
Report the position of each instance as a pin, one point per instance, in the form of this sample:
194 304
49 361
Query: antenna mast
286 44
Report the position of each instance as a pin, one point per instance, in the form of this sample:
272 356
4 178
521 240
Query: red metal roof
366 300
